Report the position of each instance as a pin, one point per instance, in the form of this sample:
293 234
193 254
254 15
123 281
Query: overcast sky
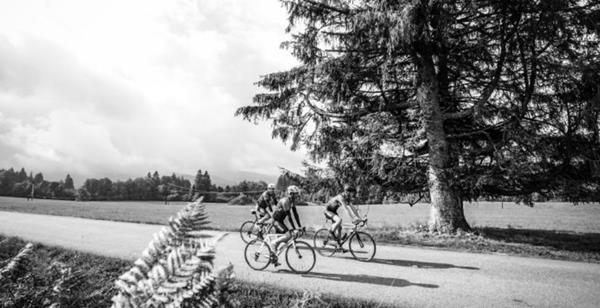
118 88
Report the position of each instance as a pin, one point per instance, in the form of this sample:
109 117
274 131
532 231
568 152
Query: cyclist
282 210
344 200
265 203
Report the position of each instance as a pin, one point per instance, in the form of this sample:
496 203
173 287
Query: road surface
400 276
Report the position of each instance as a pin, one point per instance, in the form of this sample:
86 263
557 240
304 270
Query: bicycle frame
269 238
355 228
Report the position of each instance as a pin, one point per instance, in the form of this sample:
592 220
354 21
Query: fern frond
176 265
18 265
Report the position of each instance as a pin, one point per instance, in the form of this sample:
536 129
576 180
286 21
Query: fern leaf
175 266
18 265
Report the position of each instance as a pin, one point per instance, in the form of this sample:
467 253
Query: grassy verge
560 245
74 279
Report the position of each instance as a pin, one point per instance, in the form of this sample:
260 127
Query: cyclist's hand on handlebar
360 221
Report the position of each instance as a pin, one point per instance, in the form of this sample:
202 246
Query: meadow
550 216
550 230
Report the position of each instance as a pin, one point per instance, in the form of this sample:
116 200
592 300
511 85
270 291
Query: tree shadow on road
384 281
419 264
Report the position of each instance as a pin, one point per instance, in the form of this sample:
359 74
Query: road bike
360 244
299 255
251 229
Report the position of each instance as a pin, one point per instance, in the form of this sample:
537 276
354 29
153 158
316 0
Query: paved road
400 276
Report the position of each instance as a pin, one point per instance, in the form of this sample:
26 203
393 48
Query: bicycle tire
324 243
362 246
247 231
257 254
302 251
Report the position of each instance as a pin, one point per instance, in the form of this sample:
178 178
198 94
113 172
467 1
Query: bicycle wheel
362 246
324 242
257 254
300 257
247 231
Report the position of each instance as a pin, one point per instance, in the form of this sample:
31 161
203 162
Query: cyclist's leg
256 212
337 226
266 216
258 216
282 229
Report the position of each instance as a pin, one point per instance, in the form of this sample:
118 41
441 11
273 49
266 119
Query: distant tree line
152 187
21 184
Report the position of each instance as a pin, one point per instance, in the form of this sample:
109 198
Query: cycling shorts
332 208
329 214
260 211
279 215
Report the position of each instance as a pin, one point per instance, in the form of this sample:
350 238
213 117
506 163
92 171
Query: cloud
116 89
39 71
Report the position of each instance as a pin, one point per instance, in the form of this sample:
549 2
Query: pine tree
459 99
22 176
206 180
69 182
198 184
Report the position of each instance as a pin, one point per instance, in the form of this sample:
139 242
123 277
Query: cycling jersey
334 203
267 199
282 209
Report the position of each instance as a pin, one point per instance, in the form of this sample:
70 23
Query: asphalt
399 276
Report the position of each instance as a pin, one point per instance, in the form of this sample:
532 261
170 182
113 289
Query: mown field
582 218
550 230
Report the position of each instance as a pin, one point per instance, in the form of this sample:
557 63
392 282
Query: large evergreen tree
460 99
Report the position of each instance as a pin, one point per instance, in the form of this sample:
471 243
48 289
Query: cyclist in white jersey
345 201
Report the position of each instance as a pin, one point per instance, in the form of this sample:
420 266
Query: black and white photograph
299 153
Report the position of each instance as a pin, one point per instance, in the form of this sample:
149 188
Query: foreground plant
177 265
18 265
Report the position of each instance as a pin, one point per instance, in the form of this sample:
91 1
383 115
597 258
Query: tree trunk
447 215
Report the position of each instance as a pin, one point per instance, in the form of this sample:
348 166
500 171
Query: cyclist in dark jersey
265 203
331 210
282 210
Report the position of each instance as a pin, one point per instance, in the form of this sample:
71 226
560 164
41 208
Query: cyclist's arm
349 210
295 213
272 202
356 211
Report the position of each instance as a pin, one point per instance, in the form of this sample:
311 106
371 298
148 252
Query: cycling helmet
293 189
271 186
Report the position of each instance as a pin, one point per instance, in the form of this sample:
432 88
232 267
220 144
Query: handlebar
361 222
298 232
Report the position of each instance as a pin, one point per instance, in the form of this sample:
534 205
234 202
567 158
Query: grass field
550 230
583 218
